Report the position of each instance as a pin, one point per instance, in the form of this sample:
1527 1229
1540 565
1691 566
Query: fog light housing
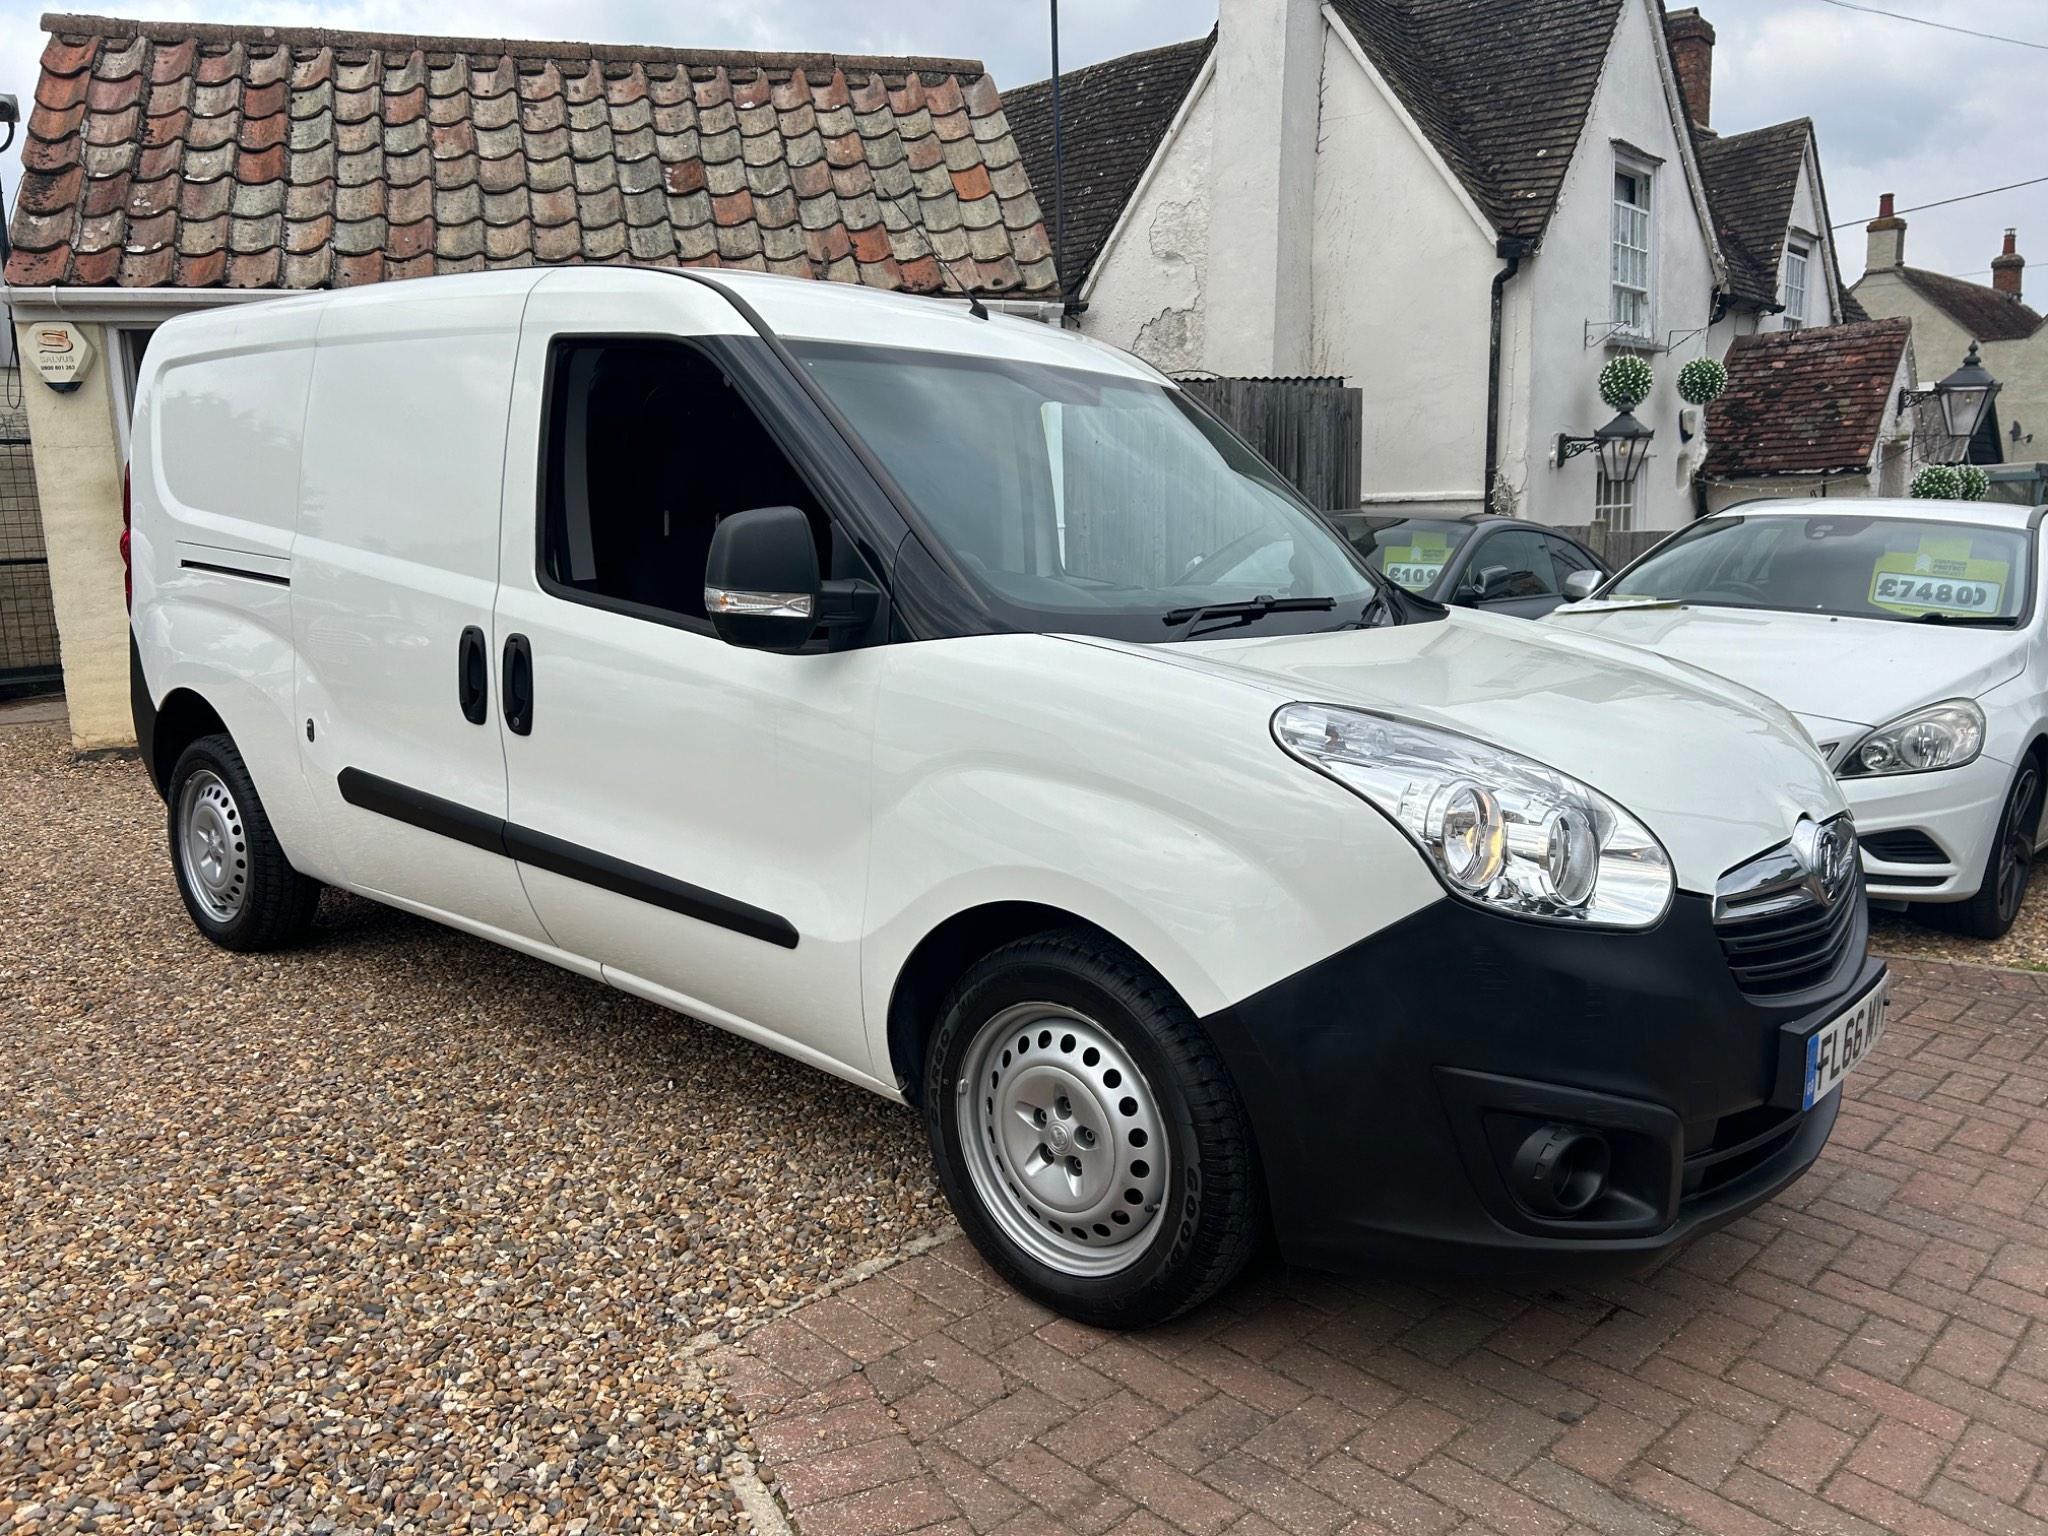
1561 1171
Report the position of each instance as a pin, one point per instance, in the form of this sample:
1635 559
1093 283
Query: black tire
272 903
2008 867
1212 1213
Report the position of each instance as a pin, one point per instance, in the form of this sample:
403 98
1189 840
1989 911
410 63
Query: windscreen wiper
1243 613
1968 620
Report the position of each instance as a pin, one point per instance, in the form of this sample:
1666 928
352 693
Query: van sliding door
395 572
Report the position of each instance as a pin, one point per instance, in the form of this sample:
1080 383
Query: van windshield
1090 502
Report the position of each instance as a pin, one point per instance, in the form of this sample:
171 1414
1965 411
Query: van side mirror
1581 585
761 579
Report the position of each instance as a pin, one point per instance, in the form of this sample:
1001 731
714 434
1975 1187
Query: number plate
1836 1047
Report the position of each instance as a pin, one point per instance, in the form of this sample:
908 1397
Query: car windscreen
1852 566
1411 551
1084 501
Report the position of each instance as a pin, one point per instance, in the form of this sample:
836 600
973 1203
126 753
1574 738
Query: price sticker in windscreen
1939 577
1417 564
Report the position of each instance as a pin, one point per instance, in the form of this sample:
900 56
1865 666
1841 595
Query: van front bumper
1391 1086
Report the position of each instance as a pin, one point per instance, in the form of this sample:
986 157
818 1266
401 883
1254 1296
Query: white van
948 702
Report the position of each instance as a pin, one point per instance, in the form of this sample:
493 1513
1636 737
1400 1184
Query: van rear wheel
1087 1134
236 882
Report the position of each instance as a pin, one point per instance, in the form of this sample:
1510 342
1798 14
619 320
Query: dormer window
1630 262
1796 266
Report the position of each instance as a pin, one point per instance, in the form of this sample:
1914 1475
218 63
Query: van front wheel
1087 1134
237 883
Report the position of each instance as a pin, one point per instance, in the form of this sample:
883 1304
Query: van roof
793 308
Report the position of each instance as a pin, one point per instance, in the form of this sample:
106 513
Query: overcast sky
1901 108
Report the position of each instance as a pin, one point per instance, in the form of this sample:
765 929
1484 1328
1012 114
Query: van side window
648 447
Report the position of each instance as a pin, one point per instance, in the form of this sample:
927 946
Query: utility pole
1059 170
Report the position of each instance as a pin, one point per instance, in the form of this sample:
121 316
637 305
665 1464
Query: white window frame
1632 251
1615 506
1797 291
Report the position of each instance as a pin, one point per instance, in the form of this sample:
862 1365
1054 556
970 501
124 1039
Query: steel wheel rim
2016 851
212 846
1064 1140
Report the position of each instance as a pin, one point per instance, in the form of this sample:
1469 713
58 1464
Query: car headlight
1503 831
1939 736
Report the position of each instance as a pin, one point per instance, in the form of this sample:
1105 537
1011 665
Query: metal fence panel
1311 430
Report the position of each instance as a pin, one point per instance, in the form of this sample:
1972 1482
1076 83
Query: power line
1944 202
1939 26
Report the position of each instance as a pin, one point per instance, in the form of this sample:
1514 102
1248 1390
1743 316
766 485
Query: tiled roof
1751 180
170 154
1805 401
1502 88
1985 313
1112 118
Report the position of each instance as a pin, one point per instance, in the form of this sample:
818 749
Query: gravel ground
397 1231
2026 946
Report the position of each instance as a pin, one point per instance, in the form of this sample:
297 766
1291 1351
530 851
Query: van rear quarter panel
214 481
1149 800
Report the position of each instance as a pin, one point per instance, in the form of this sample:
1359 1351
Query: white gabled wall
1393 296
1823 303
1149 290
1566 285
1402 275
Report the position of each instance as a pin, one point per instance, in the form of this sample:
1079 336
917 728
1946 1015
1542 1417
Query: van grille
1782 931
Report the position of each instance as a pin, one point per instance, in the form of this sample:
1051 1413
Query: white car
1907 636
855 672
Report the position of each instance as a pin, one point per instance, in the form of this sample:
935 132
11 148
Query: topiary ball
1701 381
1625 382
1938 482
1976 485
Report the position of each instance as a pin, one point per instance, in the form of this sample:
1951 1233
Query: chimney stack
1692 53
2008 268
1887 238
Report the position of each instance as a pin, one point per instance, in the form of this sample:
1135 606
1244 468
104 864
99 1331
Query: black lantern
1623 445
1965 397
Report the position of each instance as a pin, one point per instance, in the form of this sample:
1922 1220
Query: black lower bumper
1391 1085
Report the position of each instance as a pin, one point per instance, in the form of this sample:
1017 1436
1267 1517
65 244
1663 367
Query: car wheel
2008 868
237 883
1088 1135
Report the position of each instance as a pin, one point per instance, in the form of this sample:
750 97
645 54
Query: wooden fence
1311 430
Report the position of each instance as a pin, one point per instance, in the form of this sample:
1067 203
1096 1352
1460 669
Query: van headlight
1939 736
1503 831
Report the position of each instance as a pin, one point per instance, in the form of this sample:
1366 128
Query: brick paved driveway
1867 1354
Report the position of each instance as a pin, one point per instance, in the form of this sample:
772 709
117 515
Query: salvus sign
61 354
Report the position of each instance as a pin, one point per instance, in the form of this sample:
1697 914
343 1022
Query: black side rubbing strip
650 886
236 570
418 809
496 835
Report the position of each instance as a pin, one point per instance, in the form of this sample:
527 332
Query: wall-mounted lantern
1623 446
1964 397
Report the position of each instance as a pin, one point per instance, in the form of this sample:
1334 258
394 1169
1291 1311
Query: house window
1631 253
1614 504
1795 286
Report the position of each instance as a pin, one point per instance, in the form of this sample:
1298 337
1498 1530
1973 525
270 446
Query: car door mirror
761 579
1493 581
1581 585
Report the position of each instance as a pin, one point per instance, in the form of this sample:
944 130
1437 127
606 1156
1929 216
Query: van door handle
473 676
518 685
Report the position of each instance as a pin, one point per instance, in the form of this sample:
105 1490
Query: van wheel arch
946 954
182 718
